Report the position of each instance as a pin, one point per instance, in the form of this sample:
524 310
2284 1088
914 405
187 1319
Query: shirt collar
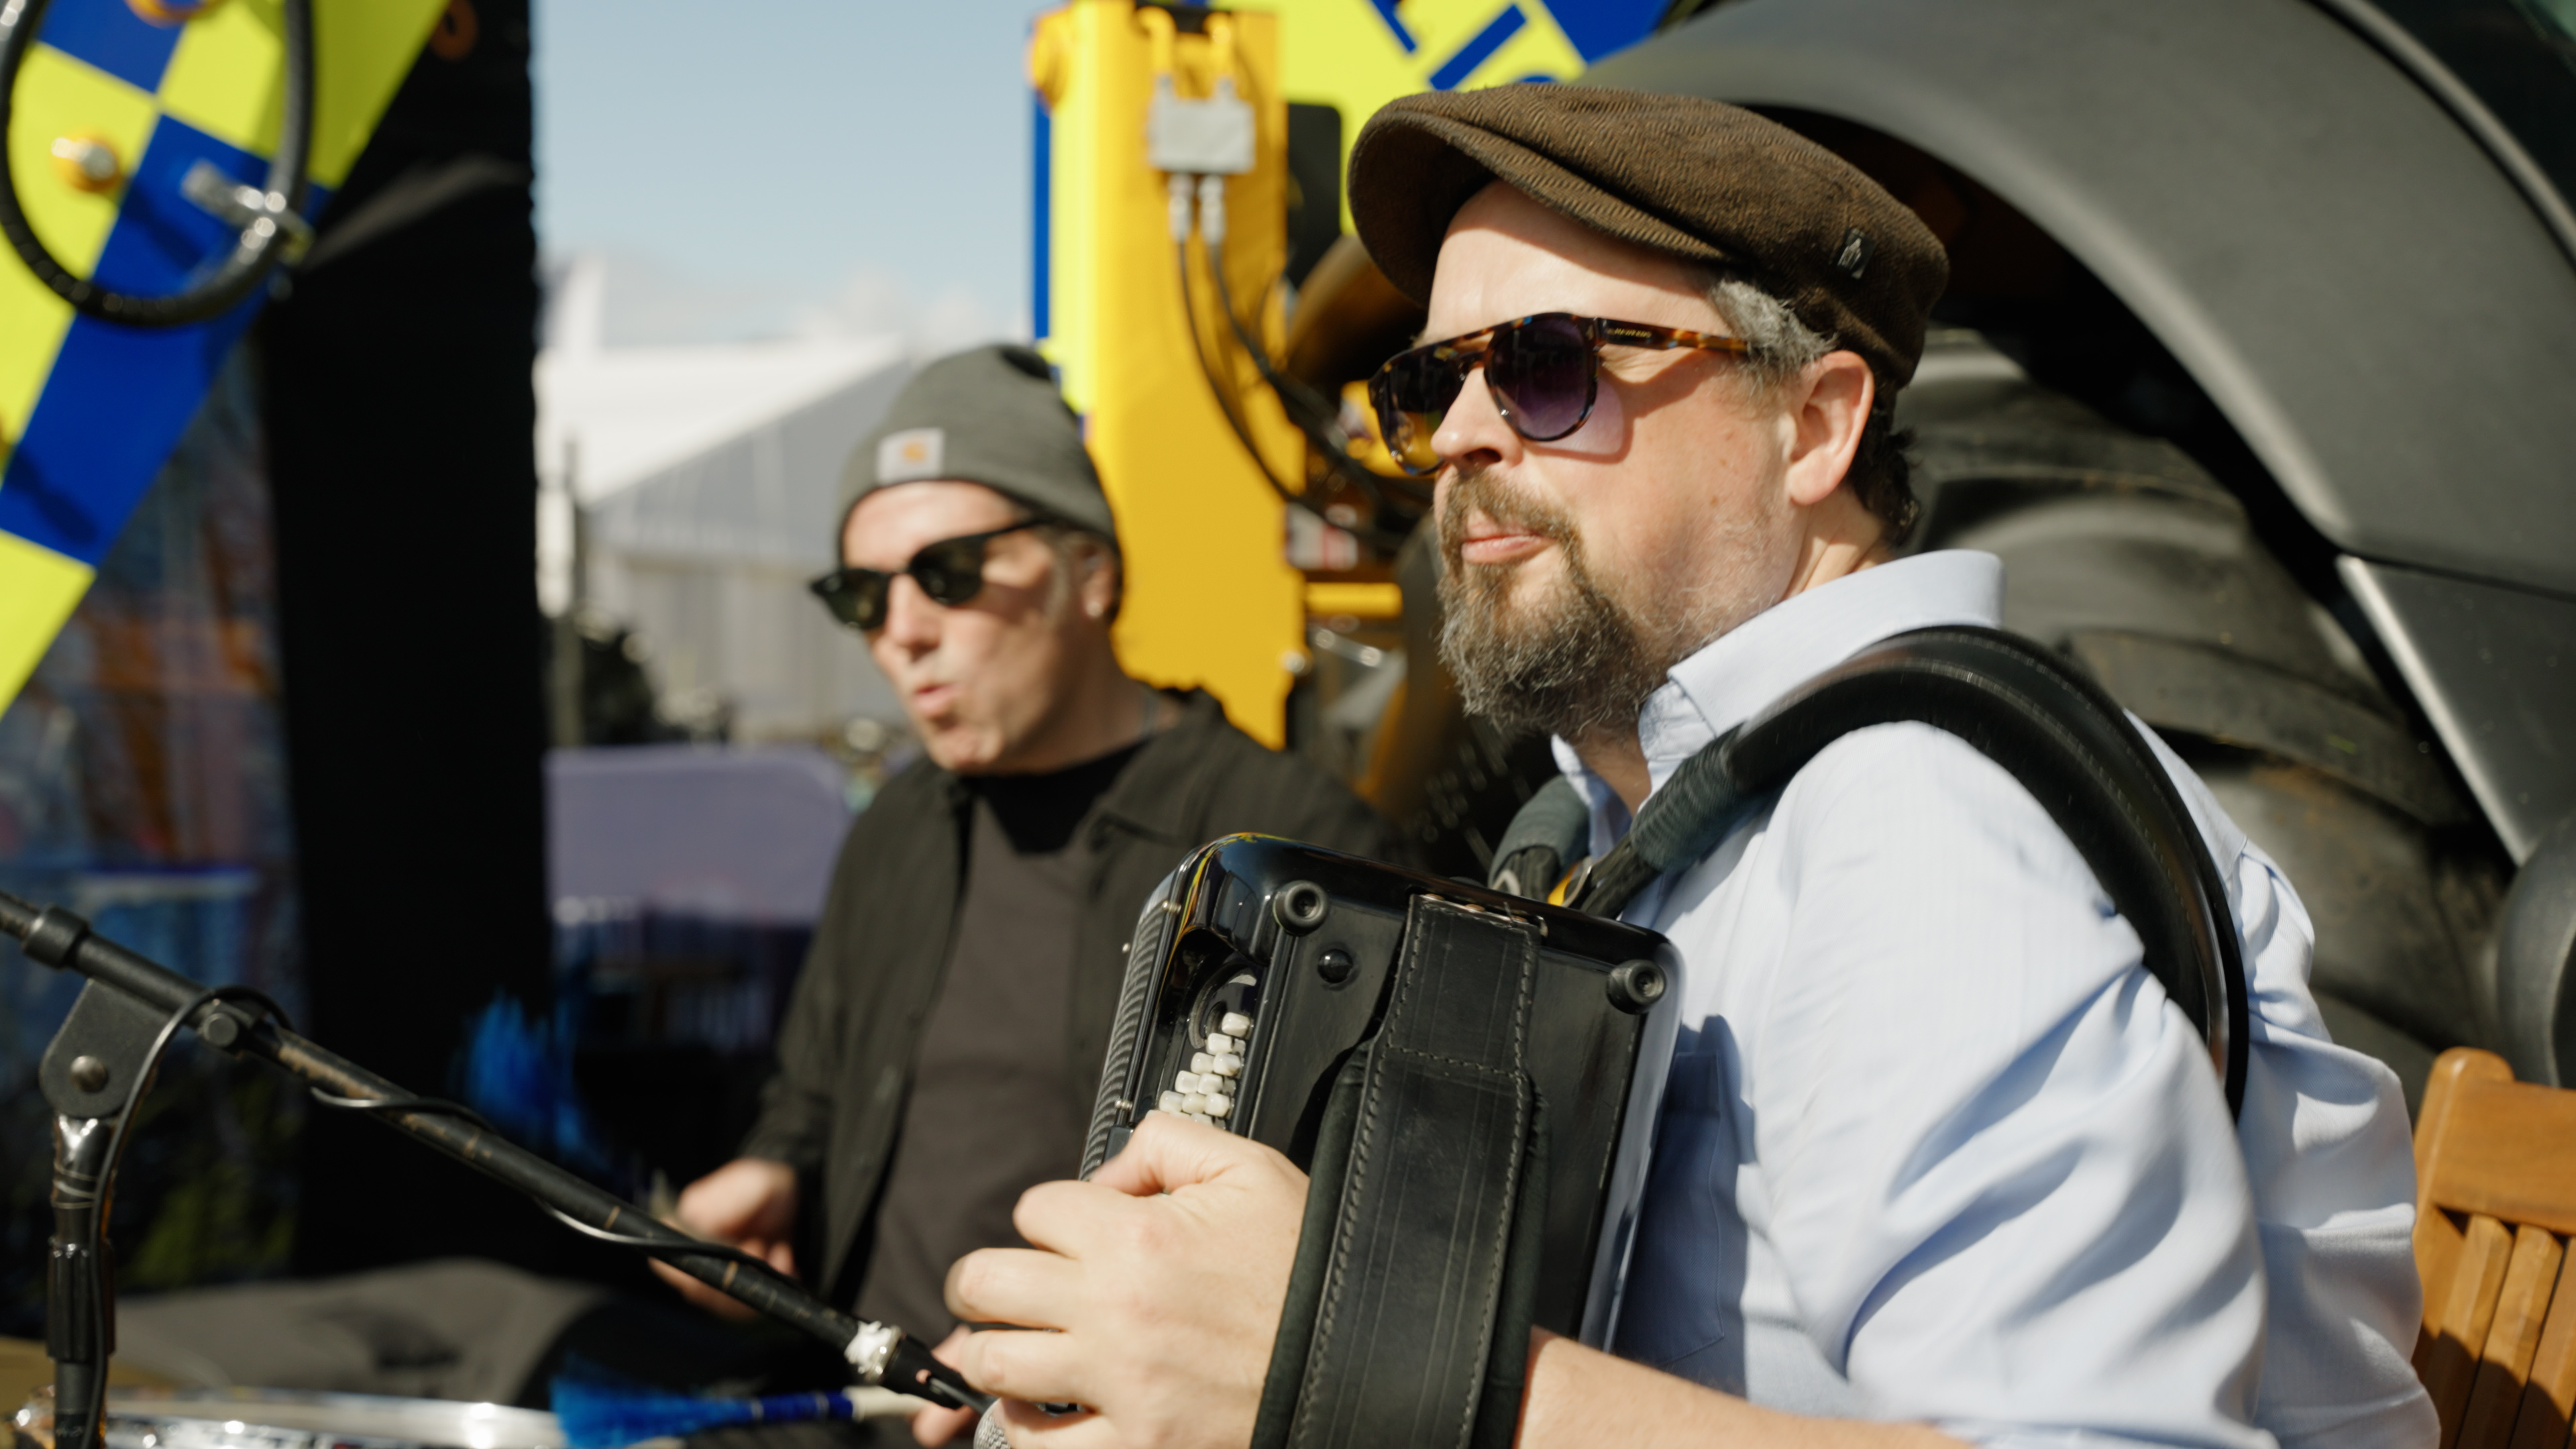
1735 675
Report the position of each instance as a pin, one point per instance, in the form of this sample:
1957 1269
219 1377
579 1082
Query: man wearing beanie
943 1044
1937 1160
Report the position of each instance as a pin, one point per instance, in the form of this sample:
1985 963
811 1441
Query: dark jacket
879 954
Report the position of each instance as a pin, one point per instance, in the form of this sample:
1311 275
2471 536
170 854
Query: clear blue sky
748 161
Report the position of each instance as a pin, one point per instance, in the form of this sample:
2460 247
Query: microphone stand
93 1068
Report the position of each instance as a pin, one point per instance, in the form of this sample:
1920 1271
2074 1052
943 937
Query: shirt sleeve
2327 1146
1999 1169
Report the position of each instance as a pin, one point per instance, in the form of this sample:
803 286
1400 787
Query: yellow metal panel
1360 601
1210 599
1057 39
38 588
224 77
59 96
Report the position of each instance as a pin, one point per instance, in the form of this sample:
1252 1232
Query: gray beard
1572 663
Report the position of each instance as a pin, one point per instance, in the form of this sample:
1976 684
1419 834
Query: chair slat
2484 1162
2504 1364
2438 1233
2549 1399
2449 1365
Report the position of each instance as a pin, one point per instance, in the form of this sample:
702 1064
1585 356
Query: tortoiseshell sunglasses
1544 372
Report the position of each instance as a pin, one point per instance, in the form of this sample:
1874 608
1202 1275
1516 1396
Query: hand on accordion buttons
1163 1277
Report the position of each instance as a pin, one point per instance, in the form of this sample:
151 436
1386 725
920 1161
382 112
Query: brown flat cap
1693 178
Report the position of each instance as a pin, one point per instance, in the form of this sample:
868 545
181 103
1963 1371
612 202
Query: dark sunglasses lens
1412 394
1542 373
856 597
950 571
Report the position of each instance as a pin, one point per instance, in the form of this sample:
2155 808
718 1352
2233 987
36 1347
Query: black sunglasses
1544 372
950 571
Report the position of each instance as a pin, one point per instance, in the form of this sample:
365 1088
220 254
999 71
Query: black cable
1217 386
1309 410
118 1134
663 1248
656 1247
439 1105
1312 414
261 243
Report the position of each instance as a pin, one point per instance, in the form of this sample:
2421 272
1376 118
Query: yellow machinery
1159 296
1177 420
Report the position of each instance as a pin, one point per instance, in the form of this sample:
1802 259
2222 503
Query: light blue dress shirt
1934 1146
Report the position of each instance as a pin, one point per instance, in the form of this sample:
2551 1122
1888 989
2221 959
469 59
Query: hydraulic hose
269 216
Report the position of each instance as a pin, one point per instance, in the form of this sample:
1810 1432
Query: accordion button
1218 1104
1219 1043
1195 1103
1185 1081
1170 1102
1226 1066
1235 1024
1202 1063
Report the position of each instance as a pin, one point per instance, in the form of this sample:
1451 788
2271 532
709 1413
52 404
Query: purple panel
745 835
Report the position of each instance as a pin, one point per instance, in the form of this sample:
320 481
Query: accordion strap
1429 1167
2015 702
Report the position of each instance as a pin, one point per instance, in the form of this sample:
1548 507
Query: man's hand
1163 1277
935 1426
749 1203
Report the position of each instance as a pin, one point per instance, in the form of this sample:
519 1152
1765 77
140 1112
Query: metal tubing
510 1163
79 1292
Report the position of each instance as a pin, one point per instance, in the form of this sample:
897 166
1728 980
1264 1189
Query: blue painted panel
113 408
109 35
1475 52
1599 27
118 397
1395 24
162 238
1041 212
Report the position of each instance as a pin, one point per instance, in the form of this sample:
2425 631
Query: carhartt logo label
1853 259
911 455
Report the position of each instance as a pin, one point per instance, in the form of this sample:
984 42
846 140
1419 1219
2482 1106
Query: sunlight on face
981 678
1674 484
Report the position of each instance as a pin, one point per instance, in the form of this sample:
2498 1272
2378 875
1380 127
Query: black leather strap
2052 727
1407 1251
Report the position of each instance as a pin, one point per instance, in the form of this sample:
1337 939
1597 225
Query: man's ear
1829 403
1099 585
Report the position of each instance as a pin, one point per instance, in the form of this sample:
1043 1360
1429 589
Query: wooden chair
2495 1202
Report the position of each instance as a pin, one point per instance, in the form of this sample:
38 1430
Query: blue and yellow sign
117 101
1357 55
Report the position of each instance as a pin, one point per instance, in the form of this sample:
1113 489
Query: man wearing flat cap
943 1043
1937 1160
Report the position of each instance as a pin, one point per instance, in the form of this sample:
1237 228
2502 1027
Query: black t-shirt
988 1116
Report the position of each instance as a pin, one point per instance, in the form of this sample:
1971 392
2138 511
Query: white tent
708 481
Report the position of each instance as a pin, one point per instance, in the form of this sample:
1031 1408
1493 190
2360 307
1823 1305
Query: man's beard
1570 662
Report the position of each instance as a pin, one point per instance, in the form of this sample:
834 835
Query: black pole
880 1354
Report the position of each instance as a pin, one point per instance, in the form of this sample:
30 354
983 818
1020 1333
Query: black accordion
1471 1077
1457 1068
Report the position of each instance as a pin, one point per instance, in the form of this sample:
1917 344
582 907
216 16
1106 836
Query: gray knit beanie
990 415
